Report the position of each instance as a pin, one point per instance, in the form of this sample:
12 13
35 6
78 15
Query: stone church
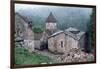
62 41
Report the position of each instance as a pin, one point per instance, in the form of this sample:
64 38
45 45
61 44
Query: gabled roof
71 29
76 36
26 19
58 32
51 18
75 33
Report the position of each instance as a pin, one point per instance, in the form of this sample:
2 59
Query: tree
91 31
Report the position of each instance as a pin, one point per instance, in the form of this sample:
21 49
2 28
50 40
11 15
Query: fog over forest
77 17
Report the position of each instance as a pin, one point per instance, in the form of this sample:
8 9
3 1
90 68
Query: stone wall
29 44
51 44
71 43
19 27
60 42
37 44
51 26
54 43
82 42
23 33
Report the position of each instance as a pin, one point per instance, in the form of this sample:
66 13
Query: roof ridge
23 17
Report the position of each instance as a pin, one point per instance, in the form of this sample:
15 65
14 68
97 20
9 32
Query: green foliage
38 29
23 57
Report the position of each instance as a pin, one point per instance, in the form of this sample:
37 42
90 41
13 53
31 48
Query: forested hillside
65 16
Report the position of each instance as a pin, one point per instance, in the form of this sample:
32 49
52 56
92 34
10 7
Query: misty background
77 17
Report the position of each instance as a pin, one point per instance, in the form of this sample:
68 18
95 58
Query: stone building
23 32
37 38
64 41
40 39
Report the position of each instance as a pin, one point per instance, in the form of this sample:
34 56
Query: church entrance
44 46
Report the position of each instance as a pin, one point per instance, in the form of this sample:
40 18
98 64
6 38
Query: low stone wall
37 44
29 44
74 55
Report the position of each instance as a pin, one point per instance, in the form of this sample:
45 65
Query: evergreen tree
91 31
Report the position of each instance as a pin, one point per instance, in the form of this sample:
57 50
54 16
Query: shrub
37 30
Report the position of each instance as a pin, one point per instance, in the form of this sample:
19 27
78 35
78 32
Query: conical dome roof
51 18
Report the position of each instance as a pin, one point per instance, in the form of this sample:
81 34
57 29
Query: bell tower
51 23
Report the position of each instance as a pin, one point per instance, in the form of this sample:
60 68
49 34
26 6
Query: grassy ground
23 57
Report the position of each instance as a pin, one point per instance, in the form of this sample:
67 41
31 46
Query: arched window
62 44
